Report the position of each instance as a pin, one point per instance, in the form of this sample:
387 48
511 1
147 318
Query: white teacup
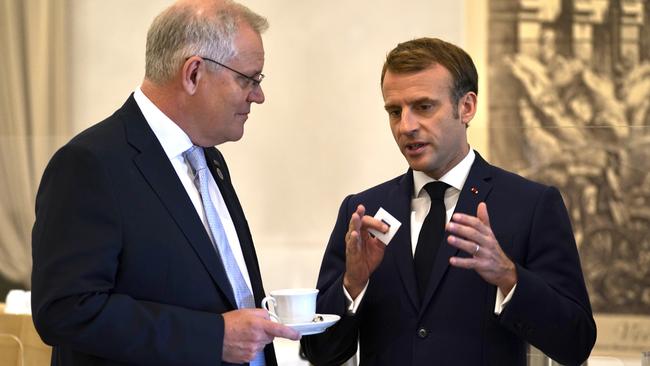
292 305
18 302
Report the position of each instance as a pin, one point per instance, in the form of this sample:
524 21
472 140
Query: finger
467 263
462 244
471 222
467 220
360 211
353 234
355 219
467 233
482 213
279 330
355 223
353 244
369 222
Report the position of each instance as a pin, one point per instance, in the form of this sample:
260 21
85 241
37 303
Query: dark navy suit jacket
455 324
124 271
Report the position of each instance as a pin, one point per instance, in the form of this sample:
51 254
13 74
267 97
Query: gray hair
181 31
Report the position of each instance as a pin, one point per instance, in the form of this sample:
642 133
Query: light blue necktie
243 295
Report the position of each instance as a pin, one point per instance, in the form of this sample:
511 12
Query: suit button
423 333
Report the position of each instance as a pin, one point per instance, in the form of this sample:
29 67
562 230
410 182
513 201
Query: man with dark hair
142 254
455 285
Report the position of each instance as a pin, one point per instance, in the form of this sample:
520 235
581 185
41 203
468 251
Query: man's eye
244 82
424 107
394 113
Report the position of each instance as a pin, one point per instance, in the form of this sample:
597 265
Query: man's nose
256 95
408 122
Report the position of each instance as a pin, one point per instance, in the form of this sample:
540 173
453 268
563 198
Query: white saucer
315 327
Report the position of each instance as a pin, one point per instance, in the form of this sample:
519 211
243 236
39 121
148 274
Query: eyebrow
425 100
413 102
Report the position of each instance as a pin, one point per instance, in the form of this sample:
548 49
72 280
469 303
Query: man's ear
467 107
191 74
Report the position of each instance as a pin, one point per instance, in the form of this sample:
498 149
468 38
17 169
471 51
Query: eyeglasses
251 81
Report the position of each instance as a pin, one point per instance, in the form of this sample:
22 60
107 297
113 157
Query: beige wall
322 132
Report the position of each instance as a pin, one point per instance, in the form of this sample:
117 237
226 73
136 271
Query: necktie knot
195 157
436 190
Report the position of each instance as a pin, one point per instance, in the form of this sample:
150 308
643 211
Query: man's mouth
414 146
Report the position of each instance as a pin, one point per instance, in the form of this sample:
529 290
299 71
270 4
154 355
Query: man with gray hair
141 250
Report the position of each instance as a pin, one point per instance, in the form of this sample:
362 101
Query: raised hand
474 236
363 252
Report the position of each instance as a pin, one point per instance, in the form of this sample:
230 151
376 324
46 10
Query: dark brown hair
419 54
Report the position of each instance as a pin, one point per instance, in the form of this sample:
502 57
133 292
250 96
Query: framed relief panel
568 104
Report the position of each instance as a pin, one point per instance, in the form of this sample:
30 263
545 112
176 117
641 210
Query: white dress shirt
420 205
175 142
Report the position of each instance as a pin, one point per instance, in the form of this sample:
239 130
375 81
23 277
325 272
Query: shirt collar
456 177
173 139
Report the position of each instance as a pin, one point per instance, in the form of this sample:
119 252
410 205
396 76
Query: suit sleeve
76 243
336 345
550 308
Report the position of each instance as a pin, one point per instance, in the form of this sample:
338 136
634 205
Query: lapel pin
473 190
219 173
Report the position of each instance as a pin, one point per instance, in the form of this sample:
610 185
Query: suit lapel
400 207
476 188
157 170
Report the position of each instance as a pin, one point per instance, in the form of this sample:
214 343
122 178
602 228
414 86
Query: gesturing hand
247 331
474 236
363 252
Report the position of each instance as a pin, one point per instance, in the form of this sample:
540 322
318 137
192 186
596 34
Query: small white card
388 219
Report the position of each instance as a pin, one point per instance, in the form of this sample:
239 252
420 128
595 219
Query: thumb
482 213
280 330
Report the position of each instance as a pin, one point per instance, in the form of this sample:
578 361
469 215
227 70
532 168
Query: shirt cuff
353 305
501 302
